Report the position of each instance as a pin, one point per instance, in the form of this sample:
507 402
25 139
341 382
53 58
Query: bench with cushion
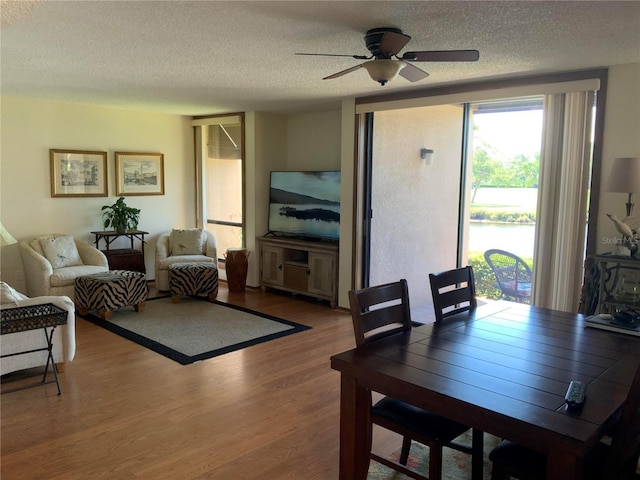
109 291
193 279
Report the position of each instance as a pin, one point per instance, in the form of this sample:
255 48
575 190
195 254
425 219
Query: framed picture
78 173
139 173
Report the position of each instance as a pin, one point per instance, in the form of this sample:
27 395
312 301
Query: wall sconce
625 178
426 154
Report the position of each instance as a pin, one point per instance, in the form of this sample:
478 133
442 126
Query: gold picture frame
139 173
78 173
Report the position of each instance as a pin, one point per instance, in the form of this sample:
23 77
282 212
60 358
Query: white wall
313 141
266 142
347 201
621 139
31 127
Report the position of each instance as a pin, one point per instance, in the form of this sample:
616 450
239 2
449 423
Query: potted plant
120 217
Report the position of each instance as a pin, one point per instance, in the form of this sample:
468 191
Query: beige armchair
53 262
64 338
191 245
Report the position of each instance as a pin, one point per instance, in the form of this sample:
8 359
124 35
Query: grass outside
504 205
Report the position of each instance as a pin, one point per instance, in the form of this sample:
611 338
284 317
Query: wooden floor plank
268 411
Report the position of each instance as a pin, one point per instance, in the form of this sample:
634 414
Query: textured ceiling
205 57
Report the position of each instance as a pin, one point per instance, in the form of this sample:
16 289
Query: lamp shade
625 175
5 237
383 70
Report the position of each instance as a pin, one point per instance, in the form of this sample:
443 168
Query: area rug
455 465
194 329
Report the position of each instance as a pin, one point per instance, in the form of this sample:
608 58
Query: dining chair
513 275
378 312
612 459
453 291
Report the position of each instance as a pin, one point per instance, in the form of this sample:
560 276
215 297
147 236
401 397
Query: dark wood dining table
503 369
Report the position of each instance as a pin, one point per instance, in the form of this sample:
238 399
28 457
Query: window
506 139
220 156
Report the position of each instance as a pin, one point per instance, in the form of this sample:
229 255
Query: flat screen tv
305 205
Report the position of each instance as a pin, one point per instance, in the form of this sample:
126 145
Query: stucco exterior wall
415 205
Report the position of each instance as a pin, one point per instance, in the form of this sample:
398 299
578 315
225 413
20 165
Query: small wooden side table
123 258
22 319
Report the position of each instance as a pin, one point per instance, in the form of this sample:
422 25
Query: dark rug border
184 359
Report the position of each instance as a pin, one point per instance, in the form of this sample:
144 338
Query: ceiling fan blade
357 57
343 72
413 73
392 42
442 56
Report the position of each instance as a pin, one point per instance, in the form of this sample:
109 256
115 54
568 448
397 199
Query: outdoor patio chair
513 275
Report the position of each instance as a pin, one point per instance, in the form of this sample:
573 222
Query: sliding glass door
505 138
511 174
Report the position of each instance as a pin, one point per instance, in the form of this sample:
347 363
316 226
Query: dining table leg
477 449
355 429
562 464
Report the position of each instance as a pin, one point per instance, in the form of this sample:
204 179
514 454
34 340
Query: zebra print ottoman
193 279
108 291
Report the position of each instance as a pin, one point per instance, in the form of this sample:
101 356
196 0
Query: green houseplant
120 217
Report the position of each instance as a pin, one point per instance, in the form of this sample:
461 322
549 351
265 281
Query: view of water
525 198
513 238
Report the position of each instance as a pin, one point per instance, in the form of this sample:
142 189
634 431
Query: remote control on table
575 395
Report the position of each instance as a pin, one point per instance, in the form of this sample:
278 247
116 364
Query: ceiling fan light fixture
383 70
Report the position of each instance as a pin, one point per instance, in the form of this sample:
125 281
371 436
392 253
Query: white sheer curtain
565 168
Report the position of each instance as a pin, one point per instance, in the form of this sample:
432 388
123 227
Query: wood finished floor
270 411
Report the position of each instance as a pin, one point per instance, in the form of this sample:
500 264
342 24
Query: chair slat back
453 291
380 311
623 455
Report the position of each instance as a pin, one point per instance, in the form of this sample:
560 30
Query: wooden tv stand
298 266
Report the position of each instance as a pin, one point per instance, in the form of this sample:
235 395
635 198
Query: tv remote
575 395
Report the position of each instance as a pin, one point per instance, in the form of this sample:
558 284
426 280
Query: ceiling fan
384 44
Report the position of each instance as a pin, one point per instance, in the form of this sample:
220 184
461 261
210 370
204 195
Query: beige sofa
64 338
53 262
191 245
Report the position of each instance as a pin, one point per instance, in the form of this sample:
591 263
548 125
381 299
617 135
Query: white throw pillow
9 296
61 251
187 241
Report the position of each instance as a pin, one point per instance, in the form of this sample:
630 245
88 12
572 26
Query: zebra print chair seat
193 279
109 291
